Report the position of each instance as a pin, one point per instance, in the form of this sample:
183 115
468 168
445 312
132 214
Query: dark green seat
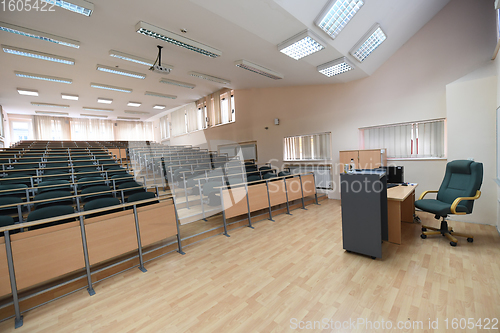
253 178
6 221
55 185
269 175
90 181
49 212
94 189
20 194
13 179
101 203
142 196
8 201
283 173
129 189
462 179
53 195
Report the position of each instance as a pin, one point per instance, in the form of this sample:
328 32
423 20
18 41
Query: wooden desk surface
400 193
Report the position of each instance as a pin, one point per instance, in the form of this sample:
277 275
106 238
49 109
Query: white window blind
164 128
178 122
424 139
307 147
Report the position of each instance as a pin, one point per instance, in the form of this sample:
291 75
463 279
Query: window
21 130
164 128
218 108
307 147
224 109
424 139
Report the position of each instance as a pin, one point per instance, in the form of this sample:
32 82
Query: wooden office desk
400 208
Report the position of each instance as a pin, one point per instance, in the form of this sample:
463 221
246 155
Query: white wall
497 65
471 116
410 86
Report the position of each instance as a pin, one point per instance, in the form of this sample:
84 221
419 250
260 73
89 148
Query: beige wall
410 86
497 66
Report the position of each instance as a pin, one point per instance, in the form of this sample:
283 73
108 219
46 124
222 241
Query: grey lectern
364 211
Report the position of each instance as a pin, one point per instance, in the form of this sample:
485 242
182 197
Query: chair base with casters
445 231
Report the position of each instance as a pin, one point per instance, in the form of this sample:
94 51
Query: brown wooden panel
47 253
293 188
308 186
369 159
157 222
4 270
235 201
277 192
257 197
346 156
110 235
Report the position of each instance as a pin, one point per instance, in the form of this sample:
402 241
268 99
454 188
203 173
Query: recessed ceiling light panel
336 67
119 71
159 107
37 55
178 83
43 77
15 29
70 97
128 118
170 37
258 69
27 92
134 104
52 113
302 45
370 41
155 94
78 6
93 115
108 87
50 105
87 108
336 14
136 112
131 58
209 77
104 100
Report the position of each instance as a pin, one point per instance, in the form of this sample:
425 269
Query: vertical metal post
139 244
315 190
248 207
287 203
13 284
20 213
201 200
302 192
123 197
179 241
78 203
269 201
90 289
223 213
185 188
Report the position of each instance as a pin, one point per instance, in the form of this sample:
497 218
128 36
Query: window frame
326 158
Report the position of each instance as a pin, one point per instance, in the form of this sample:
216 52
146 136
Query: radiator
322 174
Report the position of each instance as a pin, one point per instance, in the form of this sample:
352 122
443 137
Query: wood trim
257 197
277 193
235 202
4 270
156 222
308 185
110 235
48 255
293 188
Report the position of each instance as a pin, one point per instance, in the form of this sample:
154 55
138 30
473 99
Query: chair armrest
425 193
457 200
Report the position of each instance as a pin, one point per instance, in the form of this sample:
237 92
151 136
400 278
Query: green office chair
459 189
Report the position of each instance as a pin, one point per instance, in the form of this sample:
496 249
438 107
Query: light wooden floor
260 280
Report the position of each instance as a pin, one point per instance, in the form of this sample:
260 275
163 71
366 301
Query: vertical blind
423 139
308 147
164 128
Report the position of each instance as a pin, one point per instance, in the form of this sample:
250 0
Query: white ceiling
241 29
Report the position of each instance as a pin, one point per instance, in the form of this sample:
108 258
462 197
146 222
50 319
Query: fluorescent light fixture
335 67
27 92
132 58
159 107
104 100
128 118
43 77
178 83
93 115
15 29
336 14
70 97
136 112
87 108
78 6
52 113
50 105
37 55
170 37
154 94
302 45
209 77
258 69
119 71
134 104
113 88
370 41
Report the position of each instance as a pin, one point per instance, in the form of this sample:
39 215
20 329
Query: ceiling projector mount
157 67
